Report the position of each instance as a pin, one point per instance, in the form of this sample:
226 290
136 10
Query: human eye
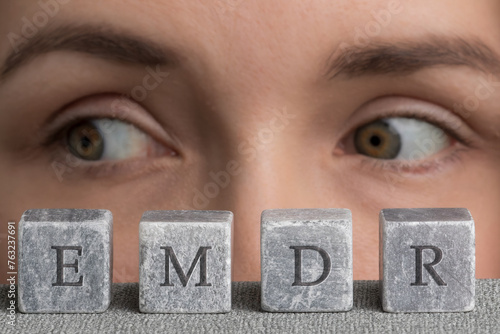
107 135
406 135
399 138
110 139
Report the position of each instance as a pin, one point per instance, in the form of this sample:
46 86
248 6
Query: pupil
86 142
378 139
375 140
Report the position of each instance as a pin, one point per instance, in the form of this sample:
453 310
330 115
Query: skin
242 63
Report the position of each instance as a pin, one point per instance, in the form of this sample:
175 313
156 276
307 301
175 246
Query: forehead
249 38
267 24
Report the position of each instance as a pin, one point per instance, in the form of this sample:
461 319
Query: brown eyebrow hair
407 57
102 42
377 58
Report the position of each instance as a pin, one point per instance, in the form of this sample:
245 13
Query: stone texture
45 287
427 260
184 234
328 229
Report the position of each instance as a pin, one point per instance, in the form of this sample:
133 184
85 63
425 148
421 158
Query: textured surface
325 282
208 289
367 316
88 233
412 241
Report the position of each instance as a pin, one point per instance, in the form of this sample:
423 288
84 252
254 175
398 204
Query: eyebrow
101 42
402 58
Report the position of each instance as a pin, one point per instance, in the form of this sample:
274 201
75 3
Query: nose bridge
258 161
247 177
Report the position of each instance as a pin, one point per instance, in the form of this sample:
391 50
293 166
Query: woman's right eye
111 139
85 141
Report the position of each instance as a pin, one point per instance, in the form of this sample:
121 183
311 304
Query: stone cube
427 260
65 261
306 259
185 261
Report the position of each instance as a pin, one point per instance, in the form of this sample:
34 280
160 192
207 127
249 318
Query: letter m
201 256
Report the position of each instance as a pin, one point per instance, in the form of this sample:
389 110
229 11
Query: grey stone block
65 261
306 259
427 260
185 262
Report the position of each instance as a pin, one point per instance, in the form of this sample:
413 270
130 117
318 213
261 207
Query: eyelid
398 106
415 167
113 107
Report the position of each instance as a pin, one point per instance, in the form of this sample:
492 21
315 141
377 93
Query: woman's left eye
110 139
400 138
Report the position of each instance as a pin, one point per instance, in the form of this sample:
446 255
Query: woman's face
246 105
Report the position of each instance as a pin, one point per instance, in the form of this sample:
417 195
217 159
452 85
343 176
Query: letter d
327 265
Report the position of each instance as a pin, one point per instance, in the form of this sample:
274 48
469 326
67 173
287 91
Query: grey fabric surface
246 317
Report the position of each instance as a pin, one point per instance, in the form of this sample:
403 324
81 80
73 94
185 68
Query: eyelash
130 169
60 134
414 167
424 166
429 119
56 141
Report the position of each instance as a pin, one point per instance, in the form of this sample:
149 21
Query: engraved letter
61 265
201 255
438 256
327 265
